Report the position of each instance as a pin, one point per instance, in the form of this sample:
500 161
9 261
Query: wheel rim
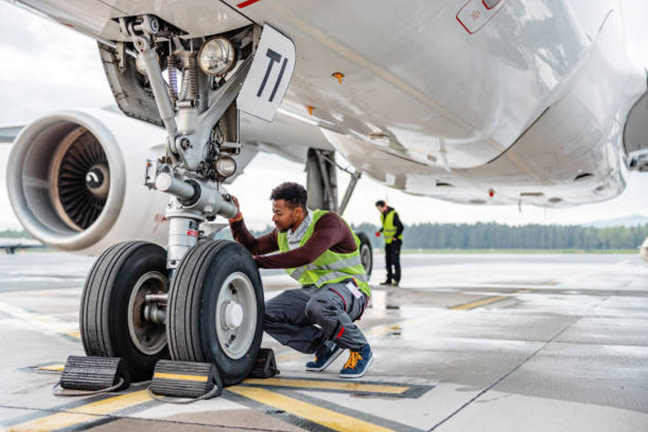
235 318
148 337
365 257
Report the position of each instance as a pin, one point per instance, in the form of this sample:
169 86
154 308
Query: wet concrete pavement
484 342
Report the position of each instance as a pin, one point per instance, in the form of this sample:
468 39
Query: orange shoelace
353 360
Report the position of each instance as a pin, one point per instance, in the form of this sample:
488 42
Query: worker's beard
282 230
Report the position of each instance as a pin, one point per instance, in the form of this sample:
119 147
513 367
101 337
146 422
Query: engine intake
75 180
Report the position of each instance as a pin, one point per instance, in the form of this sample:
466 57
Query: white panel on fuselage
97 17
415 75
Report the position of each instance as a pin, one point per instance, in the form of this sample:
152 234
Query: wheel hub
147 333
233 315
236 315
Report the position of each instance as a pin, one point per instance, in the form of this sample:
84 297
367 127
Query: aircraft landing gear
216 309
199 300
366 253
120 315
322 194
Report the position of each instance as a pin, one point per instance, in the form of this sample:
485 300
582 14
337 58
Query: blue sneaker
323 361
358 363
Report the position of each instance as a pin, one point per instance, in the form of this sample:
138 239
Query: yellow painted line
479 303
171 376
322 416
384 329
83 413
52 367
40 322
327 385
489 300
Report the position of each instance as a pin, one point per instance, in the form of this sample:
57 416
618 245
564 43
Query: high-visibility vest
389 230
330 267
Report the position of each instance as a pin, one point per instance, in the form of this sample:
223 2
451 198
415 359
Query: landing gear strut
321 182
199 300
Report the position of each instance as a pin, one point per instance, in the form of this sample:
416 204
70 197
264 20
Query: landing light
216 56
225 166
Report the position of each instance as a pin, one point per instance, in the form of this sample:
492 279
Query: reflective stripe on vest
389 229
338 265
330 267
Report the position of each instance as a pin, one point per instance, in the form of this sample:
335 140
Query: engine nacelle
76 181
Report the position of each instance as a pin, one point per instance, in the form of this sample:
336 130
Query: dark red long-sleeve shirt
330 232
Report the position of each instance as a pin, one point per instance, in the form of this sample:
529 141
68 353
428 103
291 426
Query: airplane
11 245
471 101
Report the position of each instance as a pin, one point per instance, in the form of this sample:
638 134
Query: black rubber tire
191 309
366 251
105 301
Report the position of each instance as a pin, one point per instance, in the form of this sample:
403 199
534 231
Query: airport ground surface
474 342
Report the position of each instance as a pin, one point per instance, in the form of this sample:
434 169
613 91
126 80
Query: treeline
489 236
496 236
15 234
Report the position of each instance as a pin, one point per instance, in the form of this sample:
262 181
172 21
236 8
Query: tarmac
468 342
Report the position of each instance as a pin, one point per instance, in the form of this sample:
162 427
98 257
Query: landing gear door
269 76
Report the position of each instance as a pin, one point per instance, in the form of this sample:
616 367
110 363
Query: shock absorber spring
173 77
193 76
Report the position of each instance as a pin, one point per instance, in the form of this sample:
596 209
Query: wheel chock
186 380
266 364
92 375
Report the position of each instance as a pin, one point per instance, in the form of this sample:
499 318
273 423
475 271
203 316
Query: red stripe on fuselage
246 3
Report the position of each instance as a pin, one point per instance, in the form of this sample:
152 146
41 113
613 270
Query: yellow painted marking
83 413
200 378
53 367
328 385
321 416
384 329
74 334
41 322
479 303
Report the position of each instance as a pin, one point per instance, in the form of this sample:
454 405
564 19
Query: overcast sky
47 67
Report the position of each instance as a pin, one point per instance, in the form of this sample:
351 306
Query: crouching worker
320 251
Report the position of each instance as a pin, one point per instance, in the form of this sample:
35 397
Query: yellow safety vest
330 267
389 230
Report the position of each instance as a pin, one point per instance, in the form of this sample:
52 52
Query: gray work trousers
309 319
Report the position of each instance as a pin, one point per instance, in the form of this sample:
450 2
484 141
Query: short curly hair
293 193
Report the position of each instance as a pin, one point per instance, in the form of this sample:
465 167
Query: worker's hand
238 216
377 233
236 202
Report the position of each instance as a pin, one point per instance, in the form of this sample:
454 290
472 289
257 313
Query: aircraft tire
215 309
366 253
112 307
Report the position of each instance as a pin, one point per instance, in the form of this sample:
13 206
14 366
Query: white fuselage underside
446 98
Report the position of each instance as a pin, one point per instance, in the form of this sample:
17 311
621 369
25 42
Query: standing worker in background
392 231
319 250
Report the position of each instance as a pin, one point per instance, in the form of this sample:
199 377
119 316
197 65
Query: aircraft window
490 4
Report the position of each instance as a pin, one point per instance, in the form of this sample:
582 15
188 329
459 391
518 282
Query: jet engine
76 181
